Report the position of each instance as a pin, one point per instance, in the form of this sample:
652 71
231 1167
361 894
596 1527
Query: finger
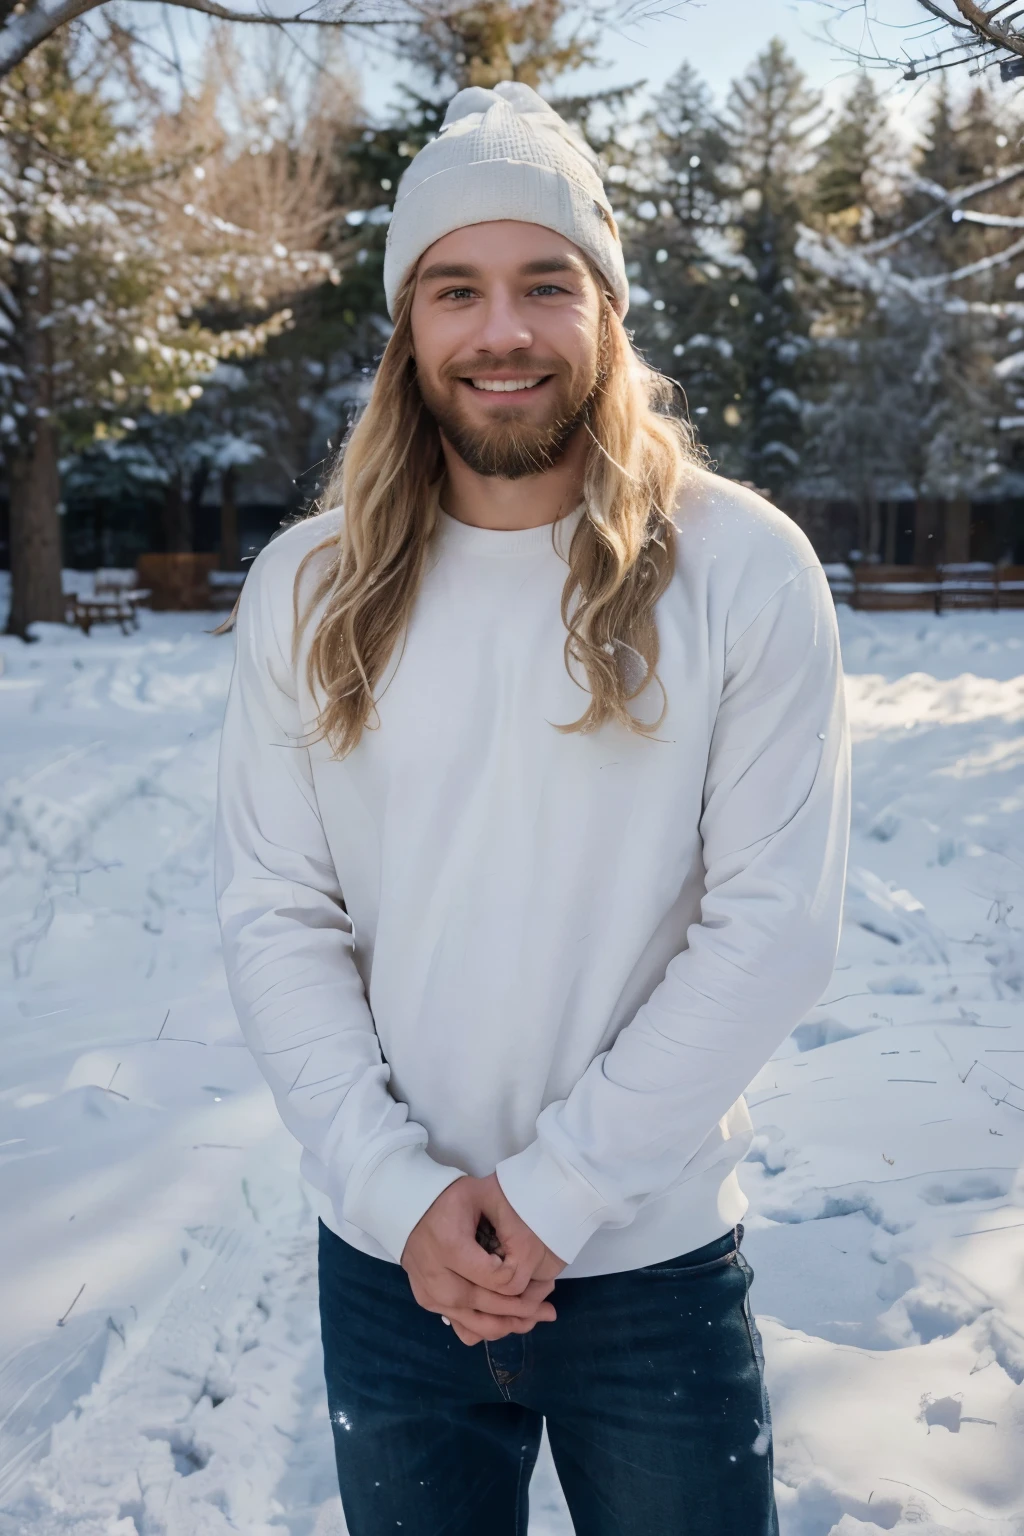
449 1293
512 1277
493 1320
488 1327
466 1335
528 1305
472 1262
453 1291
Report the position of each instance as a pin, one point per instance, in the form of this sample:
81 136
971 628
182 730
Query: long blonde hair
620 559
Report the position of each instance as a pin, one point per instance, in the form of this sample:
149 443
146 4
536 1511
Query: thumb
474 1263
521 1250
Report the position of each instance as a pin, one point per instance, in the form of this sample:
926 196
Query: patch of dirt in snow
153 1202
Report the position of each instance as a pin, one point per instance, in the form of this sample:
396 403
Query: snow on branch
946 202
850 265
974 268
991 220
859 268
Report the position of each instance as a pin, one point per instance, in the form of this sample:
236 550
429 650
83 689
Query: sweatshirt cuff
400 1189
555 1201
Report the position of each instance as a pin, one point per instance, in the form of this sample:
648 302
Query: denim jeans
651 1383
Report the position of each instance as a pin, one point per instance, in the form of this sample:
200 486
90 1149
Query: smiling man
531 842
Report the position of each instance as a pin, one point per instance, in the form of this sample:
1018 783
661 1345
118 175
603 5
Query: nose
503 328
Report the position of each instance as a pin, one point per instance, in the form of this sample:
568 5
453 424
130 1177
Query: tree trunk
927 532
230 553
32 462
36 587
957 542
864 524
891 513
176 521
196 489
872 547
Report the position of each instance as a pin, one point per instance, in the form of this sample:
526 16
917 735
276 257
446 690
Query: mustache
521 367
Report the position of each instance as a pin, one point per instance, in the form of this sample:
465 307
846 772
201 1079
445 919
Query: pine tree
863 419
965 146
852 161
913 293
296 398
682 262
112 249
769 122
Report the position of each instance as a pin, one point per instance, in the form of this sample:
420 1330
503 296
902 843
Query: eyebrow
537 268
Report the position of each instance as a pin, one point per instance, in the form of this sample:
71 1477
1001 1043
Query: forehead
500 248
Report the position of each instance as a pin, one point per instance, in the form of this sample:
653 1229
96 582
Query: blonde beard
507 448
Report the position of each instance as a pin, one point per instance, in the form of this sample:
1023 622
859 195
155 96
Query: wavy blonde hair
620 559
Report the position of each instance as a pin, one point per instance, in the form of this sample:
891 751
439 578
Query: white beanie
503 154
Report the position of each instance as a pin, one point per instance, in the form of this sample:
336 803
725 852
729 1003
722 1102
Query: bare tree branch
29 23
324 13
24 30
985 27
940 14
951 34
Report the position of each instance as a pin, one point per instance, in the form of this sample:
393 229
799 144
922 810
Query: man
532 832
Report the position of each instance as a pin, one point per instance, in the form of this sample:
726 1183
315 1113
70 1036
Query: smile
506 386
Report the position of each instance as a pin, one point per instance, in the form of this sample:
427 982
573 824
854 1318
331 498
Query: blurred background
821 206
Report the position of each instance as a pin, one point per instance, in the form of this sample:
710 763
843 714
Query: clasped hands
483 1295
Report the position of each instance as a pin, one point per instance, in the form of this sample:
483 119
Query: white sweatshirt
477 943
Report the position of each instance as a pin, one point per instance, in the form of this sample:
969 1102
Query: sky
720 38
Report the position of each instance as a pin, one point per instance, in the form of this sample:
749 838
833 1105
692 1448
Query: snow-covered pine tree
933 291
683 262
963 149
769 123
109 253
864 417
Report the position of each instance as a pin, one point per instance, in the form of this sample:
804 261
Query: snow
146 1185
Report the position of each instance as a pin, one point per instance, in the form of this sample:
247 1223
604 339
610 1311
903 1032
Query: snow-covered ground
149 1200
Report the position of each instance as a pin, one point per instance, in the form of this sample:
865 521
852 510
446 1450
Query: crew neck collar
468 539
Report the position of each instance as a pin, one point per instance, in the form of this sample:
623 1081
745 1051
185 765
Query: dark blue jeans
651 1382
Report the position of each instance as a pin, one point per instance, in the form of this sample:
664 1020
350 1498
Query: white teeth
503 386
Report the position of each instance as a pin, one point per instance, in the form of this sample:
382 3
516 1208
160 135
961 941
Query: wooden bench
225 587
970 585
938 589
1010 586
884 588
840 582
107 608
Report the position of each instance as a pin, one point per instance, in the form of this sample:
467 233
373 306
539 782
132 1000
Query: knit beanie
503 154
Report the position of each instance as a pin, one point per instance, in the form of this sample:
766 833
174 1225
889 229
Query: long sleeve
775 828
288 948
